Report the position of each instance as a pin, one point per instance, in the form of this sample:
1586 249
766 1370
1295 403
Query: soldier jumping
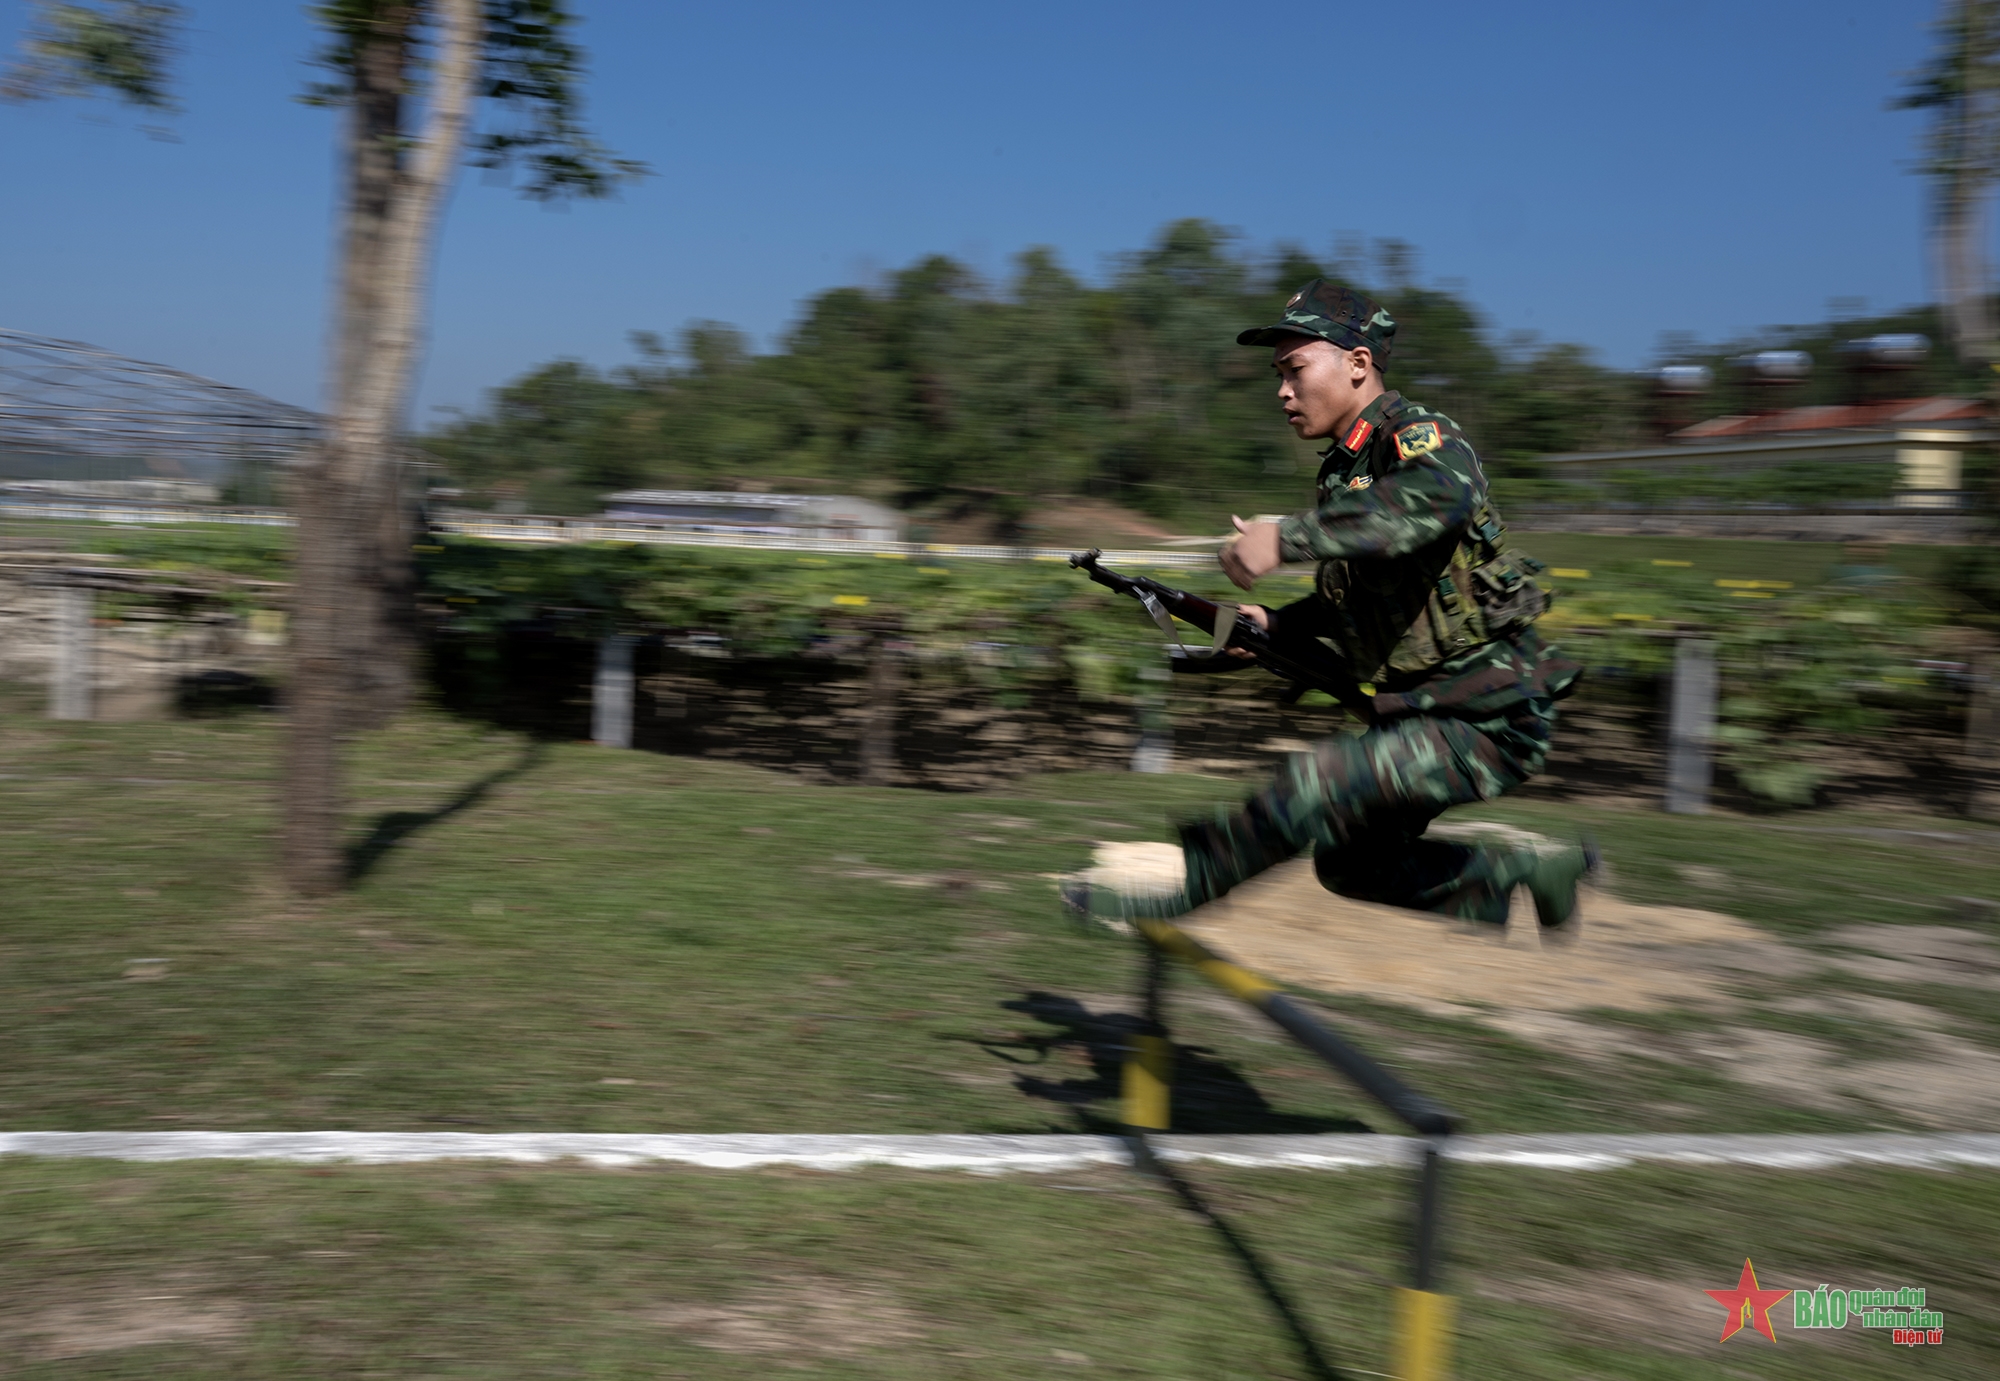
1419 594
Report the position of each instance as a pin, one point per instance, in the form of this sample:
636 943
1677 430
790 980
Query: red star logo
1747 1304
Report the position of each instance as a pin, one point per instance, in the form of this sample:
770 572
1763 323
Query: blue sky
1588 171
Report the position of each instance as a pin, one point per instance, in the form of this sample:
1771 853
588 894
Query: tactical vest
1398 617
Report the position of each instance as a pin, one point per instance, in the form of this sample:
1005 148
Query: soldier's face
1316 384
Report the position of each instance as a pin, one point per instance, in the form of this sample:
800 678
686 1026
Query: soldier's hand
1251 554
1258 615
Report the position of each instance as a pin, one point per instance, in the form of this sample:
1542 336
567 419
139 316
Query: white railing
525 528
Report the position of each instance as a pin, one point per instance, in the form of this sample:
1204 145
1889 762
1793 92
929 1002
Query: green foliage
1793 482
530 70
954 398
1548 399
119 48
948 396
1003 623
1799 666
1959 84
1973 575
1803 663
258 553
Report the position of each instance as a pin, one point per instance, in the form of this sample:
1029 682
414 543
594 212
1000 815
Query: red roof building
1897 413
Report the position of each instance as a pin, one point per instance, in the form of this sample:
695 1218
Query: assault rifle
1305 662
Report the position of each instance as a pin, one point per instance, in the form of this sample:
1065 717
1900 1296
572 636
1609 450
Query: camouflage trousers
1361 803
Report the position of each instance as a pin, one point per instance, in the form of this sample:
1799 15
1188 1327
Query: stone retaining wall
809 716
946 730
146 661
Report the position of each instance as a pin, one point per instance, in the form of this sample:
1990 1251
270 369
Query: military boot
1552 879
1483 904
1550 871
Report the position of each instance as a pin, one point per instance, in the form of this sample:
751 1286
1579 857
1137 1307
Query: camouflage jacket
1417 588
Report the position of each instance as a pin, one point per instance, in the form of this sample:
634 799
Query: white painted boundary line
1006 1154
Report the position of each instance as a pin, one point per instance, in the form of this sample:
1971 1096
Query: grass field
737 951
559 937
247 1271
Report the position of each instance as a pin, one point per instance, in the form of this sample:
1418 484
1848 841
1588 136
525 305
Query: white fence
548 530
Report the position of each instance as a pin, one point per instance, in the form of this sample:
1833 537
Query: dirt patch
1882 1011
804 1316
113 1317
1572 1036
1942 1081
1795 1068
1629 958
1919 954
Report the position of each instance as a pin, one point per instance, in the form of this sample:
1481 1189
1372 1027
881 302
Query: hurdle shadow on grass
1209 1094
393 827
1310 1351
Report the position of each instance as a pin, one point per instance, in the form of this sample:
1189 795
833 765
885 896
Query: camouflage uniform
1419 592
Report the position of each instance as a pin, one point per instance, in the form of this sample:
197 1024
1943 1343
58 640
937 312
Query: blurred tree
1961 89
972 404
562 442
959 402
1547 399
409 75
117 48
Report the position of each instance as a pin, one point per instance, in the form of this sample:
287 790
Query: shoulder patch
1357 435
1417 439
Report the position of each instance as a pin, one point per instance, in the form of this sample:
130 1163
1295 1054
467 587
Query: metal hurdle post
1149 1060
1423 1312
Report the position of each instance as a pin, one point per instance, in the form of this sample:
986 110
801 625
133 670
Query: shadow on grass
1209 1095
1246 1256
393 827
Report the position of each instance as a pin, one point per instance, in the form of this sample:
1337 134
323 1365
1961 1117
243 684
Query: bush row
1869 653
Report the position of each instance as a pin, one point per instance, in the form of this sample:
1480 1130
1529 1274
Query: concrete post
1982 738
611 692
1691 727
878 725
1154 752
74 667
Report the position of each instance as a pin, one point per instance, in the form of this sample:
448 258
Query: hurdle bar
1423 1312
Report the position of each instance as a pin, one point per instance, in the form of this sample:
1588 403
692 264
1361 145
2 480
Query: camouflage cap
1334 313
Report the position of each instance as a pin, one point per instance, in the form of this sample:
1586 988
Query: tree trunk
1963 151
350 638
1961 253
314 695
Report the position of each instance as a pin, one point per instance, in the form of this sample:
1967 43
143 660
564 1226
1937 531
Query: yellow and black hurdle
1423 1313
